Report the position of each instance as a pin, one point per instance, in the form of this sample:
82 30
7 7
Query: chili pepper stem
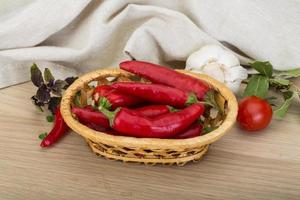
172 109
207 103
192 98
104 102
109 114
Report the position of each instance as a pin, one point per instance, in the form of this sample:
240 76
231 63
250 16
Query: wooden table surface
265 165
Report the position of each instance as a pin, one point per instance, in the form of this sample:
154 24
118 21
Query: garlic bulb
218 63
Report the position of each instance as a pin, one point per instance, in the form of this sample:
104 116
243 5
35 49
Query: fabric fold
89 34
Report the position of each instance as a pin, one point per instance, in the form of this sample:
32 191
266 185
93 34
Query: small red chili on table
59 129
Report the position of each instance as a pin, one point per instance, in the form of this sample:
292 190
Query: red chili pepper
95 127
89 115
114 98
154 110
59 129
193 131
99 128
157 93
167 76
130 123
101 91
95 119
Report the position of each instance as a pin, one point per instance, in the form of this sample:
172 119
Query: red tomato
254 113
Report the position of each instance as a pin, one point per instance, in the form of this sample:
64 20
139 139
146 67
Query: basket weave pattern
145 150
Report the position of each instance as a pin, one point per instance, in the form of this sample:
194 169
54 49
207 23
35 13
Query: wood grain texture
239 166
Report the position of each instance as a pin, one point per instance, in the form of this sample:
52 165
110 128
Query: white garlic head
218 63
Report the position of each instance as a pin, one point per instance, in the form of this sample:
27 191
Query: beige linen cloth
76 36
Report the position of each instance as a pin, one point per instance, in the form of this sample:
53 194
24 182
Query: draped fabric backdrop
76 36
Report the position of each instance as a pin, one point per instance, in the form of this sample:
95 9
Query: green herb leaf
271 100
280 81
283 108
43 135
36 75
48 75
50 118
104 103
76 100
192 98
258 85
172 109
210 99
206 130
264 68
293 73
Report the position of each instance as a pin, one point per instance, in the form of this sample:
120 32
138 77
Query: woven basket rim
150 143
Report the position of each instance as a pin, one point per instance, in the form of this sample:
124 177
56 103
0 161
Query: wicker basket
146 150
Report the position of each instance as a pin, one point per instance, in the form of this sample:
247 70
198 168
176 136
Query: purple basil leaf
53 103
36 75
43 94
39 105
58 87
69 81
48 75
37 102
50 84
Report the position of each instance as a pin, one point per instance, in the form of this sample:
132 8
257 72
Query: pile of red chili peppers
168 107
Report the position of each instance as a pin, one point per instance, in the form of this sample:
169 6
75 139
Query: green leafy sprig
280 81
43 135
49 90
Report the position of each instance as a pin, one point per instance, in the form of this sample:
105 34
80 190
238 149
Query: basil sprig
49 90
267 78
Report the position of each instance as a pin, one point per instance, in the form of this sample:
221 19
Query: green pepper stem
172 109
104 102
109 114
192 98
206 103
